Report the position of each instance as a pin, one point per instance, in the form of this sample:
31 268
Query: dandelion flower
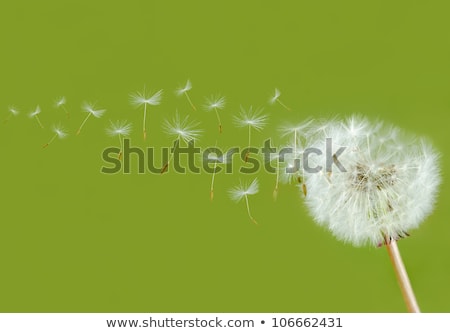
60 133
140 99
388 188
242 191
12 112
215 103
253 119
180 129
35 114
184 91
120 129
276 99
89 109
60 103
216 157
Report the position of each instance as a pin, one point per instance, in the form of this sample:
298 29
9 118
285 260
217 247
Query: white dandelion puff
252 119
184 91
12 112
276 99
242 191
59 132
89 108
140 99
121 129
215 103
60 103
180 129
389 186
35 114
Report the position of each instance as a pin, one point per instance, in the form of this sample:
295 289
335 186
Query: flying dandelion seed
180 130
121 129
184 91
35 114
216 157
12 112
60 103
215 103
60 133
276 99
89 109
389 187
140 99
242 191
253 119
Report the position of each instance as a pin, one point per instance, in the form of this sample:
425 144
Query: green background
75 240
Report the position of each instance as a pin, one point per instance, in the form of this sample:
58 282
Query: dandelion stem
39 121
249 143
121 147
189 100
218 119
211 193
248 210
143 124
402 276
283 105
67 112
175 146
275 191
51 140
82 124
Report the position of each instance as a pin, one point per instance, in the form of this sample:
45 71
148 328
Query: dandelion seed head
181 90
242 190
252 118
214 103
182 128
90 108
119 127
141 98
389 187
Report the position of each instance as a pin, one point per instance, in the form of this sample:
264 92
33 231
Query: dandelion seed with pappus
242 191
12 112
89 109
121 129
215 103
60 103
252 119
388 189
215 158
35 114
180 129
276 99
60 133
140 99
184 91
